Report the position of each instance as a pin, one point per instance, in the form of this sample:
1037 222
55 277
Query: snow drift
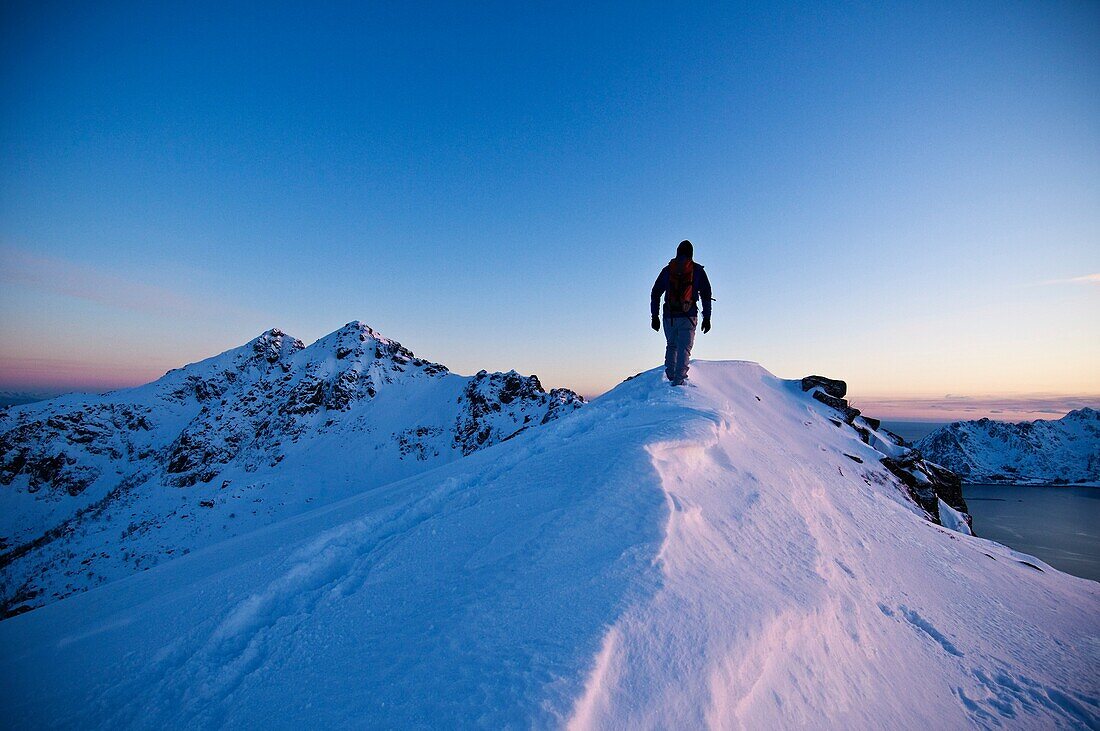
725 555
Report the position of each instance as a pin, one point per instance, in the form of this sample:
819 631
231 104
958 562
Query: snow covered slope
1062 451
93 488
726 555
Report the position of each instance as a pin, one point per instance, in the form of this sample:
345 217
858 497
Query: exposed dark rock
275 345
487 393
839 404
927 481
19 603
896 439
831 386
305 398
417 442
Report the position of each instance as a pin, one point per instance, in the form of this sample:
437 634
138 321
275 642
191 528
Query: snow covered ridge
93 487
936 490
733 554
1060 451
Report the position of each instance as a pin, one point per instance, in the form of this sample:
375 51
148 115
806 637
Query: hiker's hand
706 324
655 324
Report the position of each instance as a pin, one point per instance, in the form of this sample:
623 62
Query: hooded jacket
700 289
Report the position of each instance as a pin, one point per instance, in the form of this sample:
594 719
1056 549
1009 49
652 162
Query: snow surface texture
1032 452
663 558
94 488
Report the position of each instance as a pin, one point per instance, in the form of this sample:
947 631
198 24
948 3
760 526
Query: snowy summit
732 554
1060 451
94 488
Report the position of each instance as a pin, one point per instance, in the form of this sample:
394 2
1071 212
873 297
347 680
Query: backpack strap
680 296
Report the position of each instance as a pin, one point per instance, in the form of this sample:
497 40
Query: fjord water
913 431
1058 523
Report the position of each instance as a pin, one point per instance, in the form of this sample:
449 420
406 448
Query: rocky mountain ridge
1062 451
938 491
98 486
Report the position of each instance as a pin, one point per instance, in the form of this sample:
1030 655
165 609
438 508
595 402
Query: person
682 283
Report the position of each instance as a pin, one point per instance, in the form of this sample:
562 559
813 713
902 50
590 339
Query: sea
912 431
1059 524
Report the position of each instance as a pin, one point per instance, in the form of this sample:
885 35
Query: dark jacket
700 289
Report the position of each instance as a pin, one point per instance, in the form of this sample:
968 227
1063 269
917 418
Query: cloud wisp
1086 279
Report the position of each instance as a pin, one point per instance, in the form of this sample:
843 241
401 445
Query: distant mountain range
17 398
1060 451
98 486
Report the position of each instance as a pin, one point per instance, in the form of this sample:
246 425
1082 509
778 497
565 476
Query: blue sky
903 195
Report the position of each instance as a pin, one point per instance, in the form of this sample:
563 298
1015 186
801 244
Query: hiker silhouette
682 283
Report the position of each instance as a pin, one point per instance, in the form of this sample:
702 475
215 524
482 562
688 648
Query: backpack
680 296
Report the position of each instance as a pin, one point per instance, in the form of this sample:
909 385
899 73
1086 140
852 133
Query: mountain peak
359 343
1083 413
274 345
1041 451
362 330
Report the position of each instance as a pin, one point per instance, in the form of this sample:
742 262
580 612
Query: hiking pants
679 337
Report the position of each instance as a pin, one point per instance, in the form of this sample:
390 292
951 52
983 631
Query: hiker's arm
659 288
704 293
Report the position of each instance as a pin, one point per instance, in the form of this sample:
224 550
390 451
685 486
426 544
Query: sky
902 195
